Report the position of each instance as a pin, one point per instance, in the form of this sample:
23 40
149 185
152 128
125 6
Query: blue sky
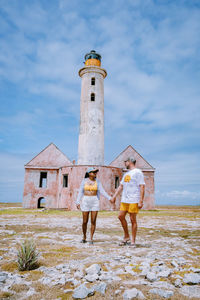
150 50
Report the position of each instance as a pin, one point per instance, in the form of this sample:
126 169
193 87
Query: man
132 186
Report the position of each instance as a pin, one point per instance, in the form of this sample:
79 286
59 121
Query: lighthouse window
92 81
92 97
43 180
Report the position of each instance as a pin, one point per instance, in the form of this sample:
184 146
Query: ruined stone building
52 176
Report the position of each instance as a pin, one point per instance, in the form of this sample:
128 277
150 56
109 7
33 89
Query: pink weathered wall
56 164
76 174
57 196
32 191
149 200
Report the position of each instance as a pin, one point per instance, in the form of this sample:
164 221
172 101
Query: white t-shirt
131 182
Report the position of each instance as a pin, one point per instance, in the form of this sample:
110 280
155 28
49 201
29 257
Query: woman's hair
86 175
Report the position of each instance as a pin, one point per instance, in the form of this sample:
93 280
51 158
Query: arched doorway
41 202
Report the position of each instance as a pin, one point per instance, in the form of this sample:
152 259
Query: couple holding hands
132 187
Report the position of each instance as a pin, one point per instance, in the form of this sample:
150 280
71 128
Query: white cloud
184 194
178 197
150 51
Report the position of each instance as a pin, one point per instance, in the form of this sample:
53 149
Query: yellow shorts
129 207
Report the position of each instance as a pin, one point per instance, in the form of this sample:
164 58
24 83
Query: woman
89 192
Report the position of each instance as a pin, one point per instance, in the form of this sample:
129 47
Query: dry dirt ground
168 240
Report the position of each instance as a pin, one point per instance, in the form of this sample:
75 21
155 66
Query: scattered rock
78 274
101 288
163 285
135 282
91 277
82 292
73 281
106 276
178 283
116 278
162 293
119 271
181 261
190 291
165 273
140 295
195 270
174 264
117 292
93 269
151 276
153 263
132 294
145 271
3 277
191 278
30 292
129 270
68 291
118 258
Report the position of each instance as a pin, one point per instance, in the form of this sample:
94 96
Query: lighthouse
91 131
51 177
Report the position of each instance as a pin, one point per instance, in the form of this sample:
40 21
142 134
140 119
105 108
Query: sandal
91 242
124 243
132 245
83 241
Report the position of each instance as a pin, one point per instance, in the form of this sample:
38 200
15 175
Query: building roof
130 151
50 156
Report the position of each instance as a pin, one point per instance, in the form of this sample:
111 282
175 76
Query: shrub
27 256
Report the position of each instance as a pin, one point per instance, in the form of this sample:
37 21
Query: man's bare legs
93 223
85 215
122 218
134 226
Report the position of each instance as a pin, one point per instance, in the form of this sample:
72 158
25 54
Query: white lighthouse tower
91 132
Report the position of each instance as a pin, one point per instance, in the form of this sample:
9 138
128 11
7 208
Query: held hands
112 200
78 206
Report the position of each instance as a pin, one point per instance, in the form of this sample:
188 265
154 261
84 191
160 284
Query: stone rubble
162 293
101 288
164 267
191 278
151 276
3 277
190 291
93 269
133 294
178 283
82 292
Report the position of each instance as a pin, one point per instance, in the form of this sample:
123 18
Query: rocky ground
164 265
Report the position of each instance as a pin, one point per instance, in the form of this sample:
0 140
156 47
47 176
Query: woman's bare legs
93 223
85 215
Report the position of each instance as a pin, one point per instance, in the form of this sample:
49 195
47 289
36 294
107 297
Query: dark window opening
116 182
43 179
92 81
92 97
41 203
65 180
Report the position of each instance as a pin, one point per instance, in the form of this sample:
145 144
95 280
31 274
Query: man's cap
92 169
131 159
